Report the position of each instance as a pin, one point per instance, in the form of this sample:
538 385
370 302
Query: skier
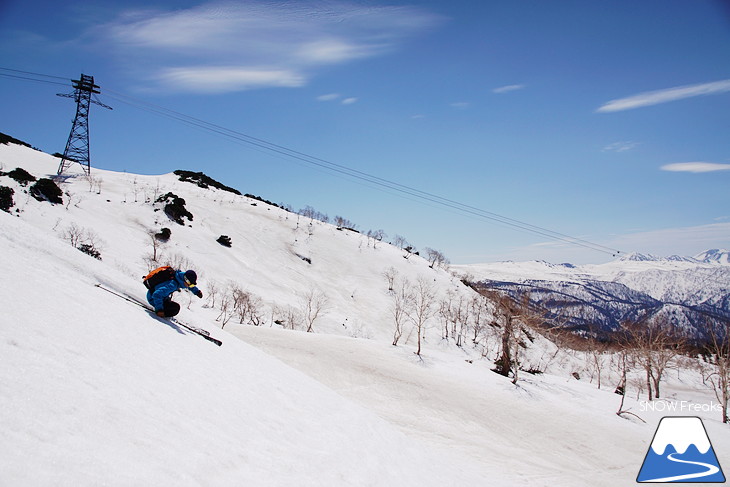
162 282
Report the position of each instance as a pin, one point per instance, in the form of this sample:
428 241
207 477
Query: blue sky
604 121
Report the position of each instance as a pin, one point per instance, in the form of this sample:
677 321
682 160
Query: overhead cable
332 167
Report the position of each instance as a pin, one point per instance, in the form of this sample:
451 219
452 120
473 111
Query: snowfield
96 391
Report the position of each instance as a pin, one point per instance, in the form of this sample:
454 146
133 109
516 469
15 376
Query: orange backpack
158 276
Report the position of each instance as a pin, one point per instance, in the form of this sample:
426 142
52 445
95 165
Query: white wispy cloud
336 96
664 96
622 146
696 167
205 79
508 88
328 97
223 46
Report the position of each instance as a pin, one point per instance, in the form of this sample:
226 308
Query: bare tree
307 212
514 318
313 304
717 333
92 244
400 241
94 183
344 223
74 234
238 301
157 245
505 310
377 236
477 307
247 306
454 313
400 308
444 313
390 275
597 362
85 240
179 261
459 320
212 293
436 258
655 345
226 307
292 318
422 309
625 365
135 189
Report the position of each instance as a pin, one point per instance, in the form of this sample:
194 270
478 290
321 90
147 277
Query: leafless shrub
422 308
312 304
400 307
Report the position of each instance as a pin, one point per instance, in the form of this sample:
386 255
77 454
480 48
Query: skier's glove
161 313
200 294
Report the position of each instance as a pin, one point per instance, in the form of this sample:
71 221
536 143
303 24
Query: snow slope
95 391
270 253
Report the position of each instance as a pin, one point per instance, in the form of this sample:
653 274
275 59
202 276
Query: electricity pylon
77 147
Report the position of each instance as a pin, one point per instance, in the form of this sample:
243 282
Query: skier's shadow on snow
169 323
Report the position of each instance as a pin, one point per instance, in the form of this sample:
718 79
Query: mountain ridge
680 290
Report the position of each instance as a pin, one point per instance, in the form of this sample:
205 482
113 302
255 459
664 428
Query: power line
34 74
26 78
360 175
341 170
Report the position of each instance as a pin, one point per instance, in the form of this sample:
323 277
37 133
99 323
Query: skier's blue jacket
163 290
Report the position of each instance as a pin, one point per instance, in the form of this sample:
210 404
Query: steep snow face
95 391
280 257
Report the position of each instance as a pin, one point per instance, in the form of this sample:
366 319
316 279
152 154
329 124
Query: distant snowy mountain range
681 290
712 256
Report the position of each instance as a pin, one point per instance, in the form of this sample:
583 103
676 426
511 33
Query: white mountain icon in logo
681 452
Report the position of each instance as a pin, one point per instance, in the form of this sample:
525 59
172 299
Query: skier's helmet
191 278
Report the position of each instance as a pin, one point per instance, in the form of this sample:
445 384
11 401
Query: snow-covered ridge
711 256
677 289
276 255
706 273
720 256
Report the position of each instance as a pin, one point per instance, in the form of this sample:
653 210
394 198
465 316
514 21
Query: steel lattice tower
77 147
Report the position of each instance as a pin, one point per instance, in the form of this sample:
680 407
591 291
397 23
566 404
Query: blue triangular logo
681 452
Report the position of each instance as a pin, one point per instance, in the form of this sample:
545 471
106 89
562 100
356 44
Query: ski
198 331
